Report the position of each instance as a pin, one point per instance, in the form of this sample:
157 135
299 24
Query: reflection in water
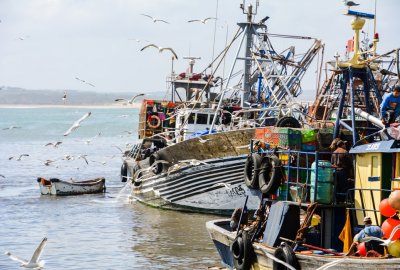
173 238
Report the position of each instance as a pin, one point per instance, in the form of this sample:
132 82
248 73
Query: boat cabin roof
390 146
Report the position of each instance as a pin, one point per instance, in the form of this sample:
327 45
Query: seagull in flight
221 184
203 140
64 98
35 261
84 81
350 3
154 19
202 21
386 242
77 124
193 162
130 101
19 158
12 127
160 49
55 145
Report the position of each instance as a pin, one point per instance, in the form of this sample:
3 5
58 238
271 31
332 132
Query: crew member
390 106
370 230
342 164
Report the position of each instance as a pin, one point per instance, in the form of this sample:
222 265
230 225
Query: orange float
385 208
362 250
394 199
387 228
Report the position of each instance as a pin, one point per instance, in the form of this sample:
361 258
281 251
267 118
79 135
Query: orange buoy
385 208
387 228
394 199
362 250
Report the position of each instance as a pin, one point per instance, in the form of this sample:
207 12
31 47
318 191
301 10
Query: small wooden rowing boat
55 186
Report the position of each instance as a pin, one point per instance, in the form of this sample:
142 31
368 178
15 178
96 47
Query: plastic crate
289 137
308 135
309 147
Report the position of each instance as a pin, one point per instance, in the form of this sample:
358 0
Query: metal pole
353 114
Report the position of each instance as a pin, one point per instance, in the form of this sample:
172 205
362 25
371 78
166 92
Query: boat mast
249 30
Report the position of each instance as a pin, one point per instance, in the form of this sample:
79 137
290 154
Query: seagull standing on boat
160 49
131 100
154 19
35 261
202 21
77 124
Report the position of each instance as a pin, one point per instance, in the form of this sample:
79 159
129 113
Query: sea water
97 231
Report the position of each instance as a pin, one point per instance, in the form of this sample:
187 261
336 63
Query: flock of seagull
161 49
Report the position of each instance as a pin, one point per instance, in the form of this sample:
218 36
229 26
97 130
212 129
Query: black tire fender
285 253
245 256
252 170
288 121
159 167
124 171
270 176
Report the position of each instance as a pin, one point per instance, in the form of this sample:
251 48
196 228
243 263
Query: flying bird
19 158
203 140
154 19
48 162
160 49
2 176
130 101
64 98
84 81
12 127
350 3
193 162
84 158
220 184
35 261
55 145
77 124
202 21
386 242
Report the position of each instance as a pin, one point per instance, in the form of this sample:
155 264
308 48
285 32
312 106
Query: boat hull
223 238
65 188
216 187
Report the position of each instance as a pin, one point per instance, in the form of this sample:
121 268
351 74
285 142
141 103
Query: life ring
285 253
157 121
288 121
158 168
270 175
124 172
252 170
243 252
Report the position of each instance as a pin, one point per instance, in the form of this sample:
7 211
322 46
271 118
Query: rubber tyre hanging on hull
285 253
158 168
288 121
270 176
124 172
243 252
251 170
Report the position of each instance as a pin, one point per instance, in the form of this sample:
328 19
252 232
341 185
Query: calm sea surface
101 231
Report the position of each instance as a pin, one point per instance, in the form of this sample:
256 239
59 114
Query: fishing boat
57 187
305 220
192 150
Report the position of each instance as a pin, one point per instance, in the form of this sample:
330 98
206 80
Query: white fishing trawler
193 147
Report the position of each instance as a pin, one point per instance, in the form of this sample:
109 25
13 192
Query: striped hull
216 187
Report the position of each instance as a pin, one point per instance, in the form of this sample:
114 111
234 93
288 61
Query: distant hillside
20 96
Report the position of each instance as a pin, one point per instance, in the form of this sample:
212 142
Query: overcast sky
45 44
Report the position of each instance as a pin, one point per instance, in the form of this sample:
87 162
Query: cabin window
211 119
374 166
191 119
202 118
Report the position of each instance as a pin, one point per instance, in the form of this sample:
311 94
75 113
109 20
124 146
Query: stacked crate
268 135
309 140
290 138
